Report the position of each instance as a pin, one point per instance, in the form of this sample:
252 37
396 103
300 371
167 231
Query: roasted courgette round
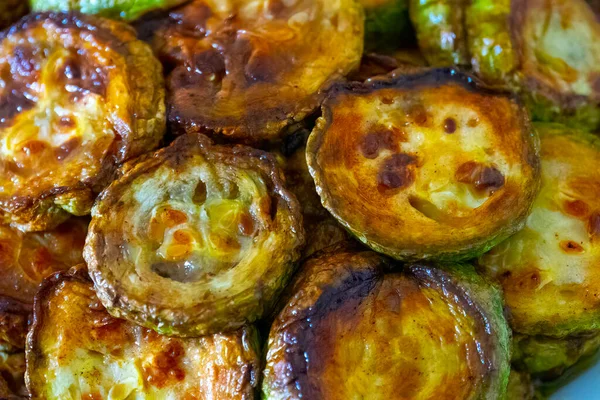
427 165
76 350
351 328
550 270
117 9
195 239
548 50
78 96
248 70
26 259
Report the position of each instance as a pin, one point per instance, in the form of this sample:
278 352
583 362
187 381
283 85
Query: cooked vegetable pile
298 199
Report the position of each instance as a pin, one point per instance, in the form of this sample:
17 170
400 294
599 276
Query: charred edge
334 293
443 282
76 21
32 353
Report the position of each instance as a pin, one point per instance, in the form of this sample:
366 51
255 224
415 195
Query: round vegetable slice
440 31
559 45
428 165
548 358
387 24
195 239
78 96
248 70
76 350
12 10
351 329
116 9
549 50
26 259
550 271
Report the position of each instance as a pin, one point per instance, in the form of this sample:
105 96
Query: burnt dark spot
387 100
370 145
576 208
67 148
246 225
569 246
396 173
274 207
450 125
199 196
594 225
382 138
481 177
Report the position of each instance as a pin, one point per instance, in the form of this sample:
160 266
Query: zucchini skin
343 277
346 184
127 10
387 25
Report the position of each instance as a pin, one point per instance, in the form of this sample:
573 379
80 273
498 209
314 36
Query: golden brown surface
558 42
425 165
248 69
76 350
27 258
195 239
12 10
550 271
78 96
352 330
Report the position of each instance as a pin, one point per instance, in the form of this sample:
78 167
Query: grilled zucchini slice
548 50
78 96
11 11
352 328
116 9
195 239
428 165
26 259
248 70
548 358
559 45
550 271
440 31
76 350
387 24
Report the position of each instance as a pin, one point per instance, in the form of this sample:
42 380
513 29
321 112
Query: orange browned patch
381 138
569 246
166 366
246 225
34 147
67 148
92 396
576 208
173 218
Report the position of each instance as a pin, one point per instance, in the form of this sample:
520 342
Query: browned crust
33 353
569 102
346 273
96 250
14 317
427 77
31 213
